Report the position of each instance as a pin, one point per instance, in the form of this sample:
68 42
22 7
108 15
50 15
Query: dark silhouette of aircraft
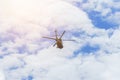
59 41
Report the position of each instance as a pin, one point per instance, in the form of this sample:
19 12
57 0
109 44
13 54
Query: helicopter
59 41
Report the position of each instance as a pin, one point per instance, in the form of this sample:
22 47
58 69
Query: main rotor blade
54 44
68 40
49 38
62 34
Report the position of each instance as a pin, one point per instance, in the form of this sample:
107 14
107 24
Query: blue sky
99 21
93 24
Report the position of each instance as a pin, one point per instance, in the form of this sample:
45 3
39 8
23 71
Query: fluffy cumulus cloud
2 77
25 55
108 10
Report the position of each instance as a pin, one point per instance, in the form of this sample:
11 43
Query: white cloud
23 26
87 68
108 9
2 77
114 18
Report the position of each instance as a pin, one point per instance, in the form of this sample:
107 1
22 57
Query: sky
93 24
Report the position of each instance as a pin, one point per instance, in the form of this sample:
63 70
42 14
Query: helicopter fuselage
59 43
